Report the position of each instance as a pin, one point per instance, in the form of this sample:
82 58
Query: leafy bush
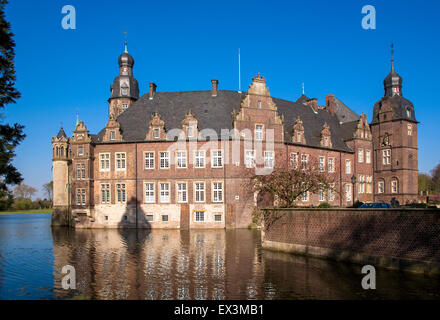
324 205
23 204
357 204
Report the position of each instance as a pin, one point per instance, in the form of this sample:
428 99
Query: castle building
182 159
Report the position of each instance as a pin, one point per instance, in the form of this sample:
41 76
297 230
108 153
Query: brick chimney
214 90
330 103
152 90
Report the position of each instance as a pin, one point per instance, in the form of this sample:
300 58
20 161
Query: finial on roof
303 89
392 56
125 41
77 118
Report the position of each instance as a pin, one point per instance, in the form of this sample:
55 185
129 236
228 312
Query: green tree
435 176
425 183
10 135
48 188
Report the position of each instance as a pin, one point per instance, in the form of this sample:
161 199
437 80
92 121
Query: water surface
171 264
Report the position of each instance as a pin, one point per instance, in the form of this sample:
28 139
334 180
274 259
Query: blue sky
182 45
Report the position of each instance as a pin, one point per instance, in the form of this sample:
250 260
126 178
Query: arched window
57 151
394 186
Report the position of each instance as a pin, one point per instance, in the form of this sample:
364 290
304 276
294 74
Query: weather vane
125 40
392 55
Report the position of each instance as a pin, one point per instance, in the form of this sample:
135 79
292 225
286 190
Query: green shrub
324 205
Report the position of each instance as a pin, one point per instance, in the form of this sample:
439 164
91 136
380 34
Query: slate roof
348 129
216 113
344 113
61 134
400 106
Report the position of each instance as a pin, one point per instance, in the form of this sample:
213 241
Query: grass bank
26 211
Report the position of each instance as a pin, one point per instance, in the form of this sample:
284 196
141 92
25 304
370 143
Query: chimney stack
330 103
214 90
152 90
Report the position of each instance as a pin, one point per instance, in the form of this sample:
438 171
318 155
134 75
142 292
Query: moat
171 264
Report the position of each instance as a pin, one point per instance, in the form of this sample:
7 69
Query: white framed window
393 186
347 167
408 113
369 188
149 193
348 192
305 196
380 187
164 160
321 164
80 150
199 216
259 104
409 130
218 217
259 129
104 161
361 155
182 192
367 156
199 192
181 159
120 193
105 193
321 195
156 133
112 135
217 159
80 171
164 192
331 192
190 132
249 158
199 159
268 159
80 197
120 161
217 192
298 136
294 159
304 159
331 165
386 156
149 160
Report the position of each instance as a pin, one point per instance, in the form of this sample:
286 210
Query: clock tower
125 88
394 130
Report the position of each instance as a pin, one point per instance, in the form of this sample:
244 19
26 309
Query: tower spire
303 88
392 56
125 41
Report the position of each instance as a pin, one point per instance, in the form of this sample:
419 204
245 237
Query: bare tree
23 191
48 189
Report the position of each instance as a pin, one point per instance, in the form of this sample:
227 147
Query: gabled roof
61 134
216 113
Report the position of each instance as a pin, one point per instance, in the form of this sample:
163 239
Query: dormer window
408 113
190 132
298 137
156 133
112 135
80 151
259 104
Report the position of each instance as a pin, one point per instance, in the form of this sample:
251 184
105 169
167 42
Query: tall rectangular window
80 197
304 161
409 130
217 159
259 132
268 159
380 187
361 155
321 164
199 159
104 161
305 196
156 133
386 156
120 193
199 189
347 166
149 160
181 193
149 193
120 161
80 150
80 171
394 186
217 192
331 192
348 192
331 165
367 156
250 159
181 159
105 193
321 195
164 160
164 192
294 159
112 135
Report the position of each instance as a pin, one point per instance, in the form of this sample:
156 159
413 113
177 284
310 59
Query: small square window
218 218
165 218
106 218
150 217
125 218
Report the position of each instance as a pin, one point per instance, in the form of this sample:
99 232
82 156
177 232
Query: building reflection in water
209 264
